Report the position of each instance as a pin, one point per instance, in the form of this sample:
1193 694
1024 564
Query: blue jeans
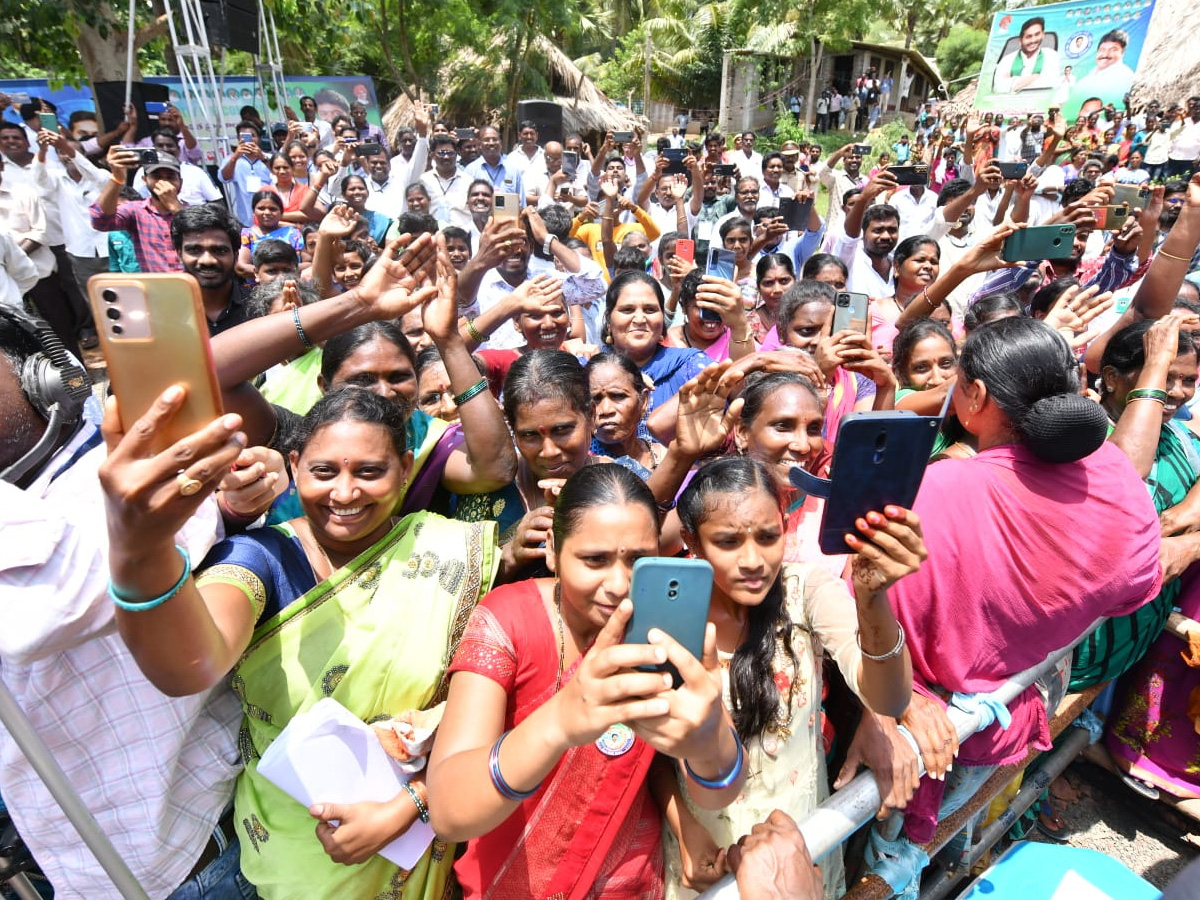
221 879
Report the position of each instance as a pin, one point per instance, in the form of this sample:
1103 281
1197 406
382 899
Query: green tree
960 52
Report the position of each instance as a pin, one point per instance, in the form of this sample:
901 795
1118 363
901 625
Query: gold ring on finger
187 486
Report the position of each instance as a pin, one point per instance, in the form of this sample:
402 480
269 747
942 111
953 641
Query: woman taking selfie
542 757
714 318
334 588
773 621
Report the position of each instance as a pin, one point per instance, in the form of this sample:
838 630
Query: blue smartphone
879 460
671 595
155 109
722 264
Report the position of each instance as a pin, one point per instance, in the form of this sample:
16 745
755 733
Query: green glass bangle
1156 394
474 390
130 605
422 809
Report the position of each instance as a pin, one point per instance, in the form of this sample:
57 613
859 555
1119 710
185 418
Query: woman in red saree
558 807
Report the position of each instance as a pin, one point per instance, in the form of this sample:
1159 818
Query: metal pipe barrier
831 823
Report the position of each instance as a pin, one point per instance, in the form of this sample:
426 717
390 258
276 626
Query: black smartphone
795 213
464 134
265 145
369 149
1013 169
862 149
570 163
671 595
725 170
879 460
910 175
675 157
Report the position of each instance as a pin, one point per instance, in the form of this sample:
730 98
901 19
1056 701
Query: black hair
339 347
759 388
603 484
205 217
353 404
880 212
81 115
1116 36
6 125
558 223
426 358
246 124
766 212
270 250
818 261
800 294
755 698
1175 186
622 362
349 178
629 259
1047 295
952 189
769 261
908 338
688 286
910 246
737 222
266 194
453 232
849 195
332 97
1029 23
666 245
1032 376
767 157
1077 188
618 285
545 375
440 139
990 309
416 223
478 181
1125 352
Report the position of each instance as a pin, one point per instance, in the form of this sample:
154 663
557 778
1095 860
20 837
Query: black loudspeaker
546 115
232 24
110 101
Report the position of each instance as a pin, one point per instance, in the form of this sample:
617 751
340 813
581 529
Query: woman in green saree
345 602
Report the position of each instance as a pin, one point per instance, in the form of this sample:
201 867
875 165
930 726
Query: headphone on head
56 385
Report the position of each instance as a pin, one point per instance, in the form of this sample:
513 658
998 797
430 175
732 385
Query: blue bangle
734 773
130 605
503 787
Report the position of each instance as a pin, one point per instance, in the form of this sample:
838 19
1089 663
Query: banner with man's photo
1071 56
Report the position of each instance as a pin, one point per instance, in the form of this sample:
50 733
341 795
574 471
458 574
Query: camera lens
117 329
109 295
113 313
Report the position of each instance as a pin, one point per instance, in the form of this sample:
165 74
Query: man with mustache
207 239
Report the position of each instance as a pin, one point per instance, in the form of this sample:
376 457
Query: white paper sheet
1075 887
326 755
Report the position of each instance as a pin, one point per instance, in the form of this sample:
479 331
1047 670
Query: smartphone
369 149
879 460
724 170
307 127
722 264
464 134
265 145
675 156
505 206
1133 195
246 139
1039 242
1111 218
861 149
685 249
671 595
1013 169
154 334
434 110
622 137
850 312
154 109
570 163
910 175
795 213
49 121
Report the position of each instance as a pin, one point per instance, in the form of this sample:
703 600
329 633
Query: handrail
847 810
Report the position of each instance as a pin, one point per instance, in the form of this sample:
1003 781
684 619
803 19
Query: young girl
924 359
542 757
268 210
773 620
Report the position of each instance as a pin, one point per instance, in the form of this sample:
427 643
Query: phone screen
570 163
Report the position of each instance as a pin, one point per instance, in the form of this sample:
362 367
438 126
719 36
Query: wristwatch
550 239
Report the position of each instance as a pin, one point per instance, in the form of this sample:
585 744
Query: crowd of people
466 387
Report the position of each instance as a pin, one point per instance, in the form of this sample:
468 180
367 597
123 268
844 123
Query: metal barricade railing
831 823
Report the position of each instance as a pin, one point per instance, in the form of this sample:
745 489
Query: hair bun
1064 428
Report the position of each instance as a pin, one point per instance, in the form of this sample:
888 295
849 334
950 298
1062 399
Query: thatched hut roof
1169 69
474 91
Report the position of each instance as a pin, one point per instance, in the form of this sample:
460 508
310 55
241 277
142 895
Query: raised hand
704 417
402 278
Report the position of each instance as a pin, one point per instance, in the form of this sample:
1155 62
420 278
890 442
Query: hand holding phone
48 121
685 249
671 595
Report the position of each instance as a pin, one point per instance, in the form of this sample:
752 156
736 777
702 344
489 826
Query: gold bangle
1186 259
474 332
745 340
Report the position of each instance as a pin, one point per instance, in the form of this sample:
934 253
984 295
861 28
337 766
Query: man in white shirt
549 184
308 109
1030 66
749 162
839 181
157 772
17 272
527 153
197 186
385 194
1185 142
773 189
917 206
408 164
445 182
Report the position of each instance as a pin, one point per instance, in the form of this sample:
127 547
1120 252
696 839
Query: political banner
1077 57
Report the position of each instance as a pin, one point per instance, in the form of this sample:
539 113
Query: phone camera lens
113 313
672 584
117 329
672 594
109 295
